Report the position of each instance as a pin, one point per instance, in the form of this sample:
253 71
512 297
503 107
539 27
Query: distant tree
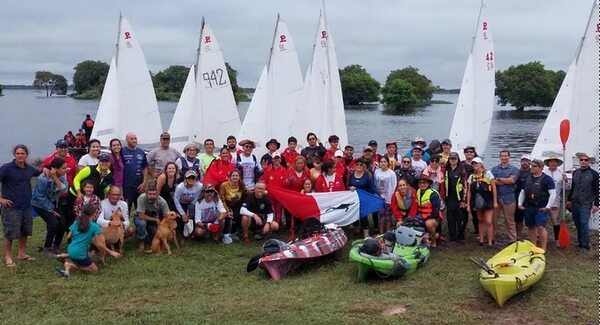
528 84
169 83
89 75
53 83
358 85
399 93
423 87
238 93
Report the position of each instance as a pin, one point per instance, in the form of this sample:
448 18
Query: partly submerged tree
419 93
53 83
358 86
527 85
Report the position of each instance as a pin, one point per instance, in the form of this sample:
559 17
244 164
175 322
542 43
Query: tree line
520 86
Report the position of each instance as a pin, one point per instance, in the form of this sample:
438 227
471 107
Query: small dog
165 232
114 234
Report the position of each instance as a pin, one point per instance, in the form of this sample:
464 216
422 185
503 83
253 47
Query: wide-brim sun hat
275 142
247 141
585 154
553 157
190 146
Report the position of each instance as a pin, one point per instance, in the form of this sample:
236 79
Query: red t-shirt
335 185
295 182
274 176
71 166
289 156
217 172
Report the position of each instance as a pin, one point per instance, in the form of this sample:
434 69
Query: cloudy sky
381 35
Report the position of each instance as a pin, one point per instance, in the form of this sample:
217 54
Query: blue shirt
365 182
45 193
16 184
135 162
506 193
80 241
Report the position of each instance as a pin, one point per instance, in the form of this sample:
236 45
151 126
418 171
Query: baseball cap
537 162
61 143
367 148
447 141
191 173
165 135
338 153
477 160
454 155
276 154
373 143
526 157
103 157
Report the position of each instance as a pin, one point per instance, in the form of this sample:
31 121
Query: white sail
107 118
181 125
137 101
128 102
577 100
321 109
273 107
215 115
475 106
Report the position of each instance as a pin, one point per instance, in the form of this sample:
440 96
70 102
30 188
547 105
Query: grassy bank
206 282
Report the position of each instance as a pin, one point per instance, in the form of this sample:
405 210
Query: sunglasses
454 158
469 151
406 161
584 159
191 177
310 139
435 160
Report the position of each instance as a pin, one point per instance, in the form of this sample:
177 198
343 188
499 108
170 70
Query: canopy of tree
168 83
416 89
358 86
89 78
240 95
53 83
528 84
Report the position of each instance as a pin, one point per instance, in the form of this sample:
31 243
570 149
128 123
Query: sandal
26 258
10 264
62 272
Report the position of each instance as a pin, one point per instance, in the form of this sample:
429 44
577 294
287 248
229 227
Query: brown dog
114 234
164 233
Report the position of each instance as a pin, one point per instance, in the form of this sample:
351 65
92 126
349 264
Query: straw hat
585 154
553 156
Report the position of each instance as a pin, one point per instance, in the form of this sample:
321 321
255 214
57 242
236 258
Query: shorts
385 215
421 221
534 217
519 215
16 223
86 262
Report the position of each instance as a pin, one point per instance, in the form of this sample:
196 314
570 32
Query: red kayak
319 244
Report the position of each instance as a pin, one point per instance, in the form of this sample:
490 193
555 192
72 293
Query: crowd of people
221 192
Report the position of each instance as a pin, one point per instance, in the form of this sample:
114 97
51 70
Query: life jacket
89 123
185 166
424 206
535 194
100 183
459 183
481 184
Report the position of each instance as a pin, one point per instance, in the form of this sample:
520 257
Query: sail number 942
214 78
489 58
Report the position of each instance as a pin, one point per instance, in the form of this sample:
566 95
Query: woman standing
385 178
481 197
91 158
45 203
117 167
232 193
456 201
404 202
166 183
363 179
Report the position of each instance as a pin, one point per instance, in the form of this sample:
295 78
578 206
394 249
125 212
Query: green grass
207 283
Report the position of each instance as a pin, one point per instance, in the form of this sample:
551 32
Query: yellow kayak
512 270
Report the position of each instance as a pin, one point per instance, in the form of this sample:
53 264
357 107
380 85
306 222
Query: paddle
514 260
482 265
564 238
253 263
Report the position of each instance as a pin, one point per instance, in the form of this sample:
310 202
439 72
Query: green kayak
407 260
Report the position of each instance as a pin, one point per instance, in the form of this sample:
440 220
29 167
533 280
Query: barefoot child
83 232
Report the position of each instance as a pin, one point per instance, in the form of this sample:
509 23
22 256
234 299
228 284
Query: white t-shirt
208 211
419 165
557 176
87 160
107 210
248 165
386 183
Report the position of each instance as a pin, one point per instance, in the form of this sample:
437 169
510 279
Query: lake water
30 118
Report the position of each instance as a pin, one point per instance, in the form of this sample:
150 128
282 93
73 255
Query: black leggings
232 225
55 227
457 219
364 222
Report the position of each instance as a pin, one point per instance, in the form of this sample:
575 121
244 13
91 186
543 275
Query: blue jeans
144 230
581 218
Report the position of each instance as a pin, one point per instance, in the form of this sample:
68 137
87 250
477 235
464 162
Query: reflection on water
26 117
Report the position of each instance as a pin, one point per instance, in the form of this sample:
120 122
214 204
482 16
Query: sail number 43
214 78
489 58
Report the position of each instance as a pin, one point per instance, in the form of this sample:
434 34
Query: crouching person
83 232
257 213
428 208
150 209
210 214
110 205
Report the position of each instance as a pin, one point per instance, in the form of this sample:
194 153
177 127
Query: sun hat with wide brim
277 144
425 178
247 141
190 146
585 154
553 157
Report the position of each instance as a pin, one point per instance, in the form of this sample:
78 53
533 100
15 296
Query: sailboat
128 102
321 108
275 100
475 106
206 108
577 100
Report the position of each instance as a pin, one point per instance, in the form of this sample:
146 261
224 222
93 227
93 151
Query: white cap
338 153
526 156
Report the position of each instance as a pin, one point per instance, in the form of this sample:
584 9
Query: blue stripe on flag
369 203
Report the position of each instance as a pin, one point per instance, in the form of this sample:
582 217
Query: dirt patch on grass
491 313
393 311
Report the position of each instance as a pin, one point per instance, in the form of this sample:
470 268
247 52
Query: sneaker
234 237
246 240
56 250
49 252
62 272
227 239
258 237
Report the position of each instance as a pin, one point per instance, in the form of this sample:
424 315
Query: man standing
559 177
446 150
88 126
248 164
349 160
418 163
524 172
208 155
313 150
160 156
289 154
535 199
583 197
135 171
267 159
505 176
232 146
334 145
150 210
15 201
